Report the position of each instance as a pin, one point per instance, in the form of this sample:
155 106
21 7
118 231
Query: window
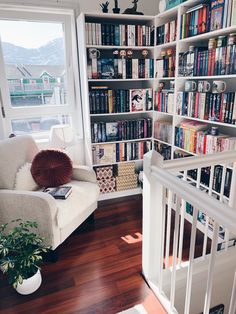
37 71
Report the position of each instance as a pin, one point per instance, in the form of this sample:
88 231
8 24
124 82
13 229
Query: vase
30 285
116 10
105 10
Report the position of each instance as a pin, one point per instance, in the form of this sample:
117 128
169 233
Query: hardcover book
107 68
137 99
217 14
60 192
112 131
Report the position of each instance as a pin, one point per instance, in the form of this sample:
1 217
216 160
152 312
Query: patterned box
107 186
125 169
104 173
126 182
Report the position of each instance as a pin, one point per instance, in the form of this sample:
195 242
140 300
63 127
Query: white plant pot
30 285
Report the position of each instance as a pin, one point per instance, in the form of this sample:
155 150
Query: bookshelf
178 46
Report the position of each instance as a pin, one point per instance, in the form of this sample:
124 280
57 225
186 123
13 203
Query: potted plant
21 253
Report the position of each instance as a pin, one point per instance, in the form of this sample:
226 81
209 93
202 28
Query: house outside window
38 68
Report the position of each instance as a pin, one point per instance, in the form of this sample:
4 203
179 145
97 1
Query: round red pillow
51 168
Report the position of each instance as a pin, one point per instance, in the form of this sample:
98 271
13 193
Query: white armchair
56 219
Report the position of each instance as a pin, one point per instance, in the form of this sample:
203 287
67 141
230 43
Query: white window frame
73 106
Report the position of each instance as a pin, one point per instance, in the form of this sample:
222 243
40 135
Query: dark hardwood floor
97 271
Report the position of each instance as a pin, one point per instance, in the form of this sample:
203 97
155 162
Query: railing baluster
181 235
168 226
207 218
163 236
191 259
175 251
232 307
211 268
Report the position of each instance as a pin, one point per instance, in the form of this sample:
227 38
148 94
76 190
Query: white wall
148 7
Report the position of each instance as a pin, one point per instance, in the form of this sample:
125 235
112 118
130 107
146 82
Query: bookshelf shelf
208 121
160 141
213 77
117 194
165 78
119 17
205 36
163 113
166 45
121 113
124 141
118 163
103 47
120 80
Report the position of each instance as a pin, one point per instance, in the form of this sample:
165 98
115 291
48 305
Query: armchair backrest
14 153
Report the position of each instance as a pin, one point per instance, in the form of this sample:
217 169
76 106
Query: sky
29 34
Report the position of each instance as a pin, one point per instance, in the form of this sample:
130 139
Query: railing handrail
199 161
221 212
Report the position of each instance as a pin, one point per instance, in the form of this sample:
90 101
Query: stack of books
208 17
207 106
120 68
163 131
218 59
121 130
164 101
196 137
105 100
119 152
119 35
166 33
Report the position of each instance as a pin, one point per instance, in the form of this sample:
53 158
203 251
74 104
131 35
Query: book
111 131
137 100
217 14
60 192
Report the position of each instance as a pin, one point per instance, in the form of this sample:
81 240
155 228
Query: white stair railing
170 188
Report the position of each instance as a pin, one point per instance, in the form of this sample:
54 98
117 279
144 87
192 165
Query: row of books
166 65
105 100
121 130
112 153
166 33
163 131
207 106
164 101
197 138
207 17
119 35
163 149
120 68
218 59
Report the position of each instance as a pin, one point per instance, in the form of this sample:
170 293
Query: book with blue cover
217 14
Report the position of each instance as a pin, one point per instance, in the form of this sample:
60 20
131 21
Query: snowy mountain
52 54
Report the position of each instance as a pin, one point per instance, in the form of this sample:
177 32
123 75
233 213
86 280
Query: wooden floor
97 273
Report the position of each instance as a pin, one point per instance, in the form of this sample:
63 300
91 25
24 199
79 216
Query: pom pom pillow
24 180
51 168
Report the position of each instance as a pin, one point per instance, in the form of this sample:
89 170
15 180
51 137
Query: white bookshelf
180 45
113 84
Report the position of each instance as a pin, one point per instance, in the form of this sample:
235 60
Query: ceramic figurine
133 10
104 7
116 9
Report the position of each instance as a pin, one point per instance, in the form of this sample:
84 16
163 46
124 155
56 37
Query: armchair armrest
84 173
34 206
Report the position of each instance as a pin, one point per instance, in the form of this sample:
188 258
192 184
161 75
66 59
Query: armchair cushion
24 180
51 168
84 173
75 207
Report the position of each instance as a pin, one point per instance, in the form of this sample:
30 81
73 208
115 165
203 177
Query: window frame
73 106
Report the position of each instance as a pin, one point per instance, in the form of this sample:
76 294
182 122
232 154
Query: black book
60 192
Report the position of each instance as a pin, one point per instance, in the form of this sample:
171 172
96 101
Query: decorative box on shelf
125 169
127 182
107 186
104 173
